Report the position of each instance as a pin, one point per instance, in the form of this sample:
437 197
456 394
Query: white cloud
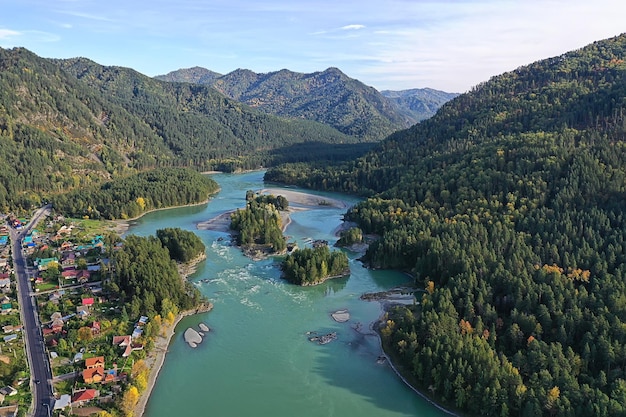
353 27
8 33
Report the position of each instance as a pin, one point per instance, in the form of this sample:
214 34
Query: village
90 341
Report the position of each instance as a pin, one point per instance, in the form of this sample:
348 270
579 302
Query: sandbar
297 201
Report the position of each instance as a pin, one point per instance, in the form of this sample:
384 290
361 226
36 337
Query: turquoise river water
257 359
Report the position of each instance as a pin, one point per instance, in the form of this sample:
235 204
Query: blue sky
449 45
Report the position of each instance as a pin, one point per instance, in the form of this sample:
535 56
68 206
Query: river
257 359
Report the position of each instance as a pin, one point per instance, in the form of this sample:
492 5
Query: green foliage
148 280
260 222
182 244
132 196
508 206
311 266
329 97
72 124
350 237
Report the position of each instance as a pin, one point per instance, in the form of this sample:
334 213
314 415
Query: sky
449 45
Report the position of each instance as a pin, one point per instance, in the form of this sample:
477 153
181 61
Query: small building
95 362
83 276
84 396
82 311
64 401
69 273
9 411
45 263
8 391
10 337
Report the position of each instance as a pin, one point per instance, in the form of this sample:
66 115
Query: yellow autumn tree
129 400
552 396
141 202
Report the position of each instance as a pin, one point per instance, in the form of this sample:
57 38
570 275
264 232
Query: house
68 259
95 362
66 246
125 342
5 284
137 332
87 301
94 370
69 273
5 305
95 328
10 338
57 325
82 276
11 328
56 296
64 401
82 311
39 280
8 391
9 411
45 263
84 396
142 320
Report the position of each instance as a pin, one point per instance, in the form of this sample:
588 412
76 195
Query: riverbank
401 372
156 358
121 226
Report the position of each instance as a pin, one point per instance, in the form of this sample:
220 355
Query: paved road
41 375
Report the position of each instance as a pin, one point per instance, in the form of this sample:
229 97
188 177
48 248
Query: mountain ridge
327 96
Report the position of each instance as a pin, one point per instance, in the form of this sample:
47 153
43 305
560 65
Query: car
37 381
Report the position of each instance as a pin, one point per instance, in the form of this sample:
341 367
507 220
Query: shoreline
400 374
156 359
121 226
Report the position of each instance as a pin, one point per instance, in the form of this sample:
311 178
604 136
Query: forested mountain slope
509 206
66 124
418 104
329 97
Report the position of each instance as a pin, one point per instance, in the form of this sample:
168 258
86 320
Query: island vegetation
259 225
312 266
349 237
508 208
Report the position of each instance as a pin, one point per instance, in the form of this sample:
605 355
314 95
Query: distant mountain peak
327 96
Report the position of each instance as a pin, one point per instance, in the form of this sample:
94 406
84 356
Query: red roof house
83 396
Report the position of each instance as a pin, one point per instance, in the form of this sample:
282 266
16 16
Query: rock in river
203 327
341 316
192 337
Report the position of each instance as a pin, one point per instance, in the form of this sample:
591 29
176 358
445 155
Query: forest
67 125
259 223
312 266
131 196
508 208
146 276
182 245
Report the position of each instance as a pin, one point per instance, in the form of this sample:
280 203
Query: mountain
328 97
419 103
509 208
194 75
66 124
